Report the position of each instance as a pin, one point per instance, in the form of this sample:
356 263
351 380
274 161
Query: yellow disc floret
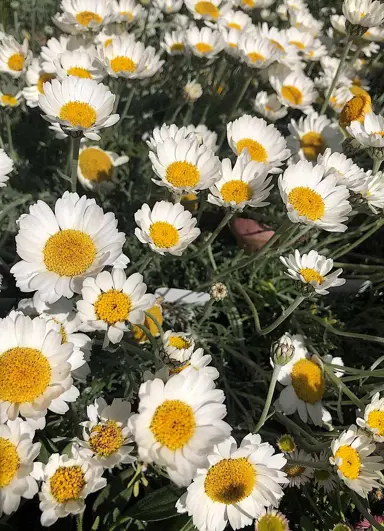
256 150
312 144
123 64
355 109
230 481
113 306
163 234
236 191
308 381
9 100
270 522
182 174
67 483
69 253
86 17
233 25
298 44
9 462
78 114
207 8
310 275
307 202
292 94
78 71
25 374
294 471
177 47
106 439
376 421
254 56
350 465
203 47
95 165
16 62
173 424
179 342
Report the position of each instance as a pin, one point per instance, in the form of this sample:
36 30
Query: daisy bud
283 351
341 527
286 444
218 291
354 30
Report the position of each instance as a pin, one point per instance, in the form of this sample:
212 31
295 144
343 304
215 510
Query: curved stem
75 161
339 385
176 113
268 401
348 248
213 236
128 103
364 337
337 75
286 313
317 465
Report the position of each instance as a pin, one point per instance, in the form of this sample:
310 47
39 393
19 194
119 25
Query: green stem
251 306
9 134
207 312
16 22
317 465
376 165
33 27
337 75
128 103
364 511
352 335
146 262
268 401
338 384
348 248
75 161
286 313
213 236
188 114
176 113
79 522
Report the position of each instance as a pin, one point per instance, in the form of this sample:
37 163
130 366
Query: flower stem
207 312
339 385
337 75
9 133
317 465
376 165
75 161
348 248
128 103
79 522
352 335
176 113
286 313
214 235
268 401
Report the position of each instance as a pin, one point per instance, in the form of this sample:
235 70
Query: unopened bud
15 4
282 351
218 291
354 30
342 527
286 444
376 153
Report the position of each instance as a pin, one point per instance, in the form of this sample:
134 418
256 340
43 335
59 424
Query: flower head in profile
17 454
10 98
354 462
204 42
270 519
85 15
79 63
207 9
204 135
373 418
234 19
14 57
299 475
197 361
313 198
74 242
257 52
193 90
355 109
294 89
269 106
35 76
345 170
126 11
313 269
169 6
173 43
372 191
370 132
365 13
236 485
80 106
178 423
97 167
6 166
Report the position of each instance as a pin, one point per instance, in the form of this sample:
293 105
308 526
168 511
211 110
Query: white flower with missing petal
14 57
364 13
204 42
325 479
299 475
345 170
372 191
269 106
178 346
97 167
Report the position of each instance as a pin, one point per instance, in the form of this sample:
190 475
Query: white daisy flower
206 9
17 452
139 334
314 198
111 301
79 64
161 134
184 165
306 44
62 21
299 475
366 13
325 479
374 34
204 135
173 43
294 90
373 418
270 519
86 15
257 52
47 384
204 42
10 99
97 167
193 90
78 105
105 38
167 228
237 20
232 39
178 423
124 57
372 191
106 433
198 361
328 358
246 184
351 454
35 78
73 243
263 142
304 383
346 172
68 480
311 135
14 57
153 63
304 21
370 133
168 6
6 166
55 47
178 346
269 106
236 486
126 11
313 269
287 53
338 23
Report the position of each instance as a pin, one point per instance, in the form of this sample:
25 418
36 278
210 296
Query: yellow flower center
177 47
182 174
322 475
308 381
270 522
106 439
203 47
67 483
207 8
95 165
78 71
286 444
163 234
293 471
312 144
237 191
139 335
248 3
113 306
351 464
254 56
355 109
277 44
86 17
233 25
69 253
179 342
25 374
307 202
179 368
107 43
16 62
376 421
173 424
44 78
123 64
62 331
230 481
127 14
292 94
7 99
298 44
232 45
311 275
9 462
256 150
78 114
